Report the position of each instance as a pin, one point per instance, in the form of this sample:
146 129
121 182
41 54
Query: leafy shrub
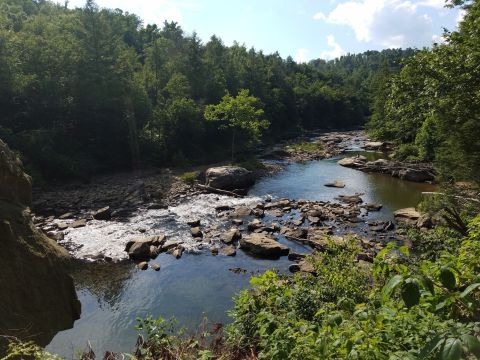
407 152
18 350
189 177
308 147
403 308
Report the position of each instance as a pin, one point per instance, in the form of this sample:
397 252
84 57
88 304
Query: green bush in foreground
409 309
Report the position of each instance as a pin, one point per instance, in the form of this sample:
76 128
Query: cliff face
37 296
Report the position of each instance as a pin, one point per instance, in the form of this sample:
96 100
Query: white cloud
319 16
439 39
335 51
461 16
389 23
301 55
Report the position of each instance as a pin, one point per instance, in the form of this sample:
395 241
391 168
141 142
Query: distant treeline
88 90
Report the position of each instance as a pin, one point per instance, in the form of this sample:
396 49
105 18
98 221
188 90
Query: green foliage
405 307
164 340
407 152
433 103
240 113
250 163
109 93
189 177
308 147
18 350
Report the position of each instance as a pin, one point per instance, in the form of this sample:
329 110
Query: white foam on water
108 238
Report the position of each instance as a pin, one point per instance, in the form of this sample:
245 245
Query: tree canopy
242 112
432 106
88 90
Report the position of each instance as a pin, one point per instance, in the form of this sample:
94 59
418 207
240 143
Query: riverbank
205 278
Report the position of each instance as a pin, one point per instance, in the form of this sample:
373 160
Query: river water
113 295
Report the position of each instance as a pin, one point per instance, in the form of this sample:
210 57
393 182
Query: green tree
242 112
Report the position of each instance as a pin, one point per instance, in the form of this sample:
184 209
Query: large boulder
146 247
38 297
353 162
408 216
417 175
263 246
229 178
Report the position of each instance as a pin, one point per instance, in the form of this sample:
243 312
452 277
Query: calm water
114 295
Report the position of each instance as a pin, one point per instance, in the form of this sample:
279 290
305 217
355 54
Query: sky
303 29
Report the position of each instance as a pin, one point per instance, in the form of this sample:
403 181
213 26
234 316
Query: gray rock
374 145
155 267
242 211
143 265
255 224
336 184
229 178
229 251
103 214
155 240
295 233
296 257
303 266
196 232
353 162
407 216
230 236
194 223
350 199
417 175
169 244
67 215
178 252
263 246
139 251
372 207
78 223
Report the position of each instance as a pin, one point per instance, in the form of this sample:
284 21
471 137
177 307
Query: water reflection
113 295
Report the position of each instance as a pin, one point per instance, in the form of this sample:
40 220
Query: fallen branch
218 191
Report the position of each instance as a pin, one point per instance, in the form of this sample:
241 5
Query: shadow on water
114 295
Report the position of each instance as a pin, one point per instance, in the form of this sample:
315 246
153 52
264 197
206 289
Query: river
113 295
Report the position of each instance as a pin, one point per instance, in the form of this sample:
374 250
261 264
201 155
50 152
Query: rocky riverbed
199 248
126 216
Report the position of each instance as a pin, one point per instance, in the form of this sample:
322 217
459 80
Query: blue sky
304 29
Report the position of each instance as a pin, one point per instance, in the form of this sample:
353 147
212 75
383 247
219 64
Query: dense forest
432 106
91 90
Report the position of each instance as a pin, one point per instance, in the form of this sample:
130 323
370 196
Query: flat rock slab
336 184
407 215
263 246
78 223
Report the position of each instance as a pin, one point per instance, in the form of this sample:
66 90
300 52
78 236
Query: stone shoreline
308 222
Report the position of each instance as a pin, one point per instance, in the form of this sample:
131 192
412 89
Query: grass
189 177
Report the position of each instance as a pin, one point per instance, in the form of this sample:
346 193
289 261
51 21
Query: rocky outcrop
411 171
408 216
263 246
38 297
229 178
